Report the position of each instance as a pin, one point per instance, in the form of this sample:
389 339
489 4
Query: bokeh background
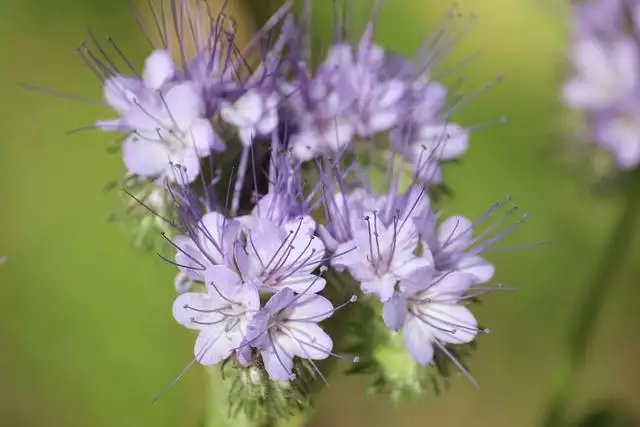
86 335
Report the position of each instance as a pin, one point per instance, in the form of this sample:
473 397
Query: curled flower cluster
605 85
261 165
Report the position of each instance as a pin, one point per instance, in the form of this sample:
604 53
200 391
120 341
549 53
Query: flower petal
384 287
278 363
183 104
418 340
394 312
454 234
310 341
145 158
310 308
184 305
158 69
477 266
452 323
212 347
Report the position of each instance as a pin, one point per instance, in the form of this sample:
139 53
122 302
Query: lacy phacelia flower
207 243
606 59
452 246
169 129
429 307
283 256
252 114
384 246
220 314
267 243
287 327
364 91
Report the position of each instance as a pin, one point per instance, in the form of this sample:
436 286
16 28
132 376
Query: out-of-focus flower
606 60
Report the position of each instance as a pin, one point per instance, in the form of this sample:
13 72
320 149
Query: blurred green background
86 334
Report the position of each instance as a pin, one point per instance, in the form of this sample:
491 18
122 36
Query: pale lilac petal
145 158
203 139
624 58
280 301
339 134
278 364
394 312
578 93
190 259
158 69
310 341
212 346
383 287
245 112
418 340
311 308
418 281
451 283
390 93
182 308
306 145
269 121
303 283
185 105
408 267
121 92
452 323
222 281
380 121
455 233
477 266
182 167
182 283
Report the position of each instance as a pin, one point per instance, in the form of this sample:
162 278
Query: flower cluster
262 165
606 85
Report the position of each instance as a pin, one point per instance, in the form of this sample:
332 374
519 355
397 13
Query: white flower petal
451 323
418 340
212 346
310 341
158 69
183 105
454 234
278 363
477 266
311 307
145 158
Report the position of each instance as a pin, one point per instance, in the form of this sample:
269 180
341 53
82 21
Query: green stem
585 322
217 408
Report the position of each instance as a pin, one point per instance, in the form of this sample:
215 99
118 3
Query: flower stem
217 408
585 322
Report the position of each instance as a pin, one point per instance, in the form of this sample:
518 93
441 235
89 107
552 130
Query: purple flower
221 314
606 73
618 131
432 144
429 309
282 256
451 245
598 18
169 129
287 327
382 254
252 114
348 96
606 58
209 241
